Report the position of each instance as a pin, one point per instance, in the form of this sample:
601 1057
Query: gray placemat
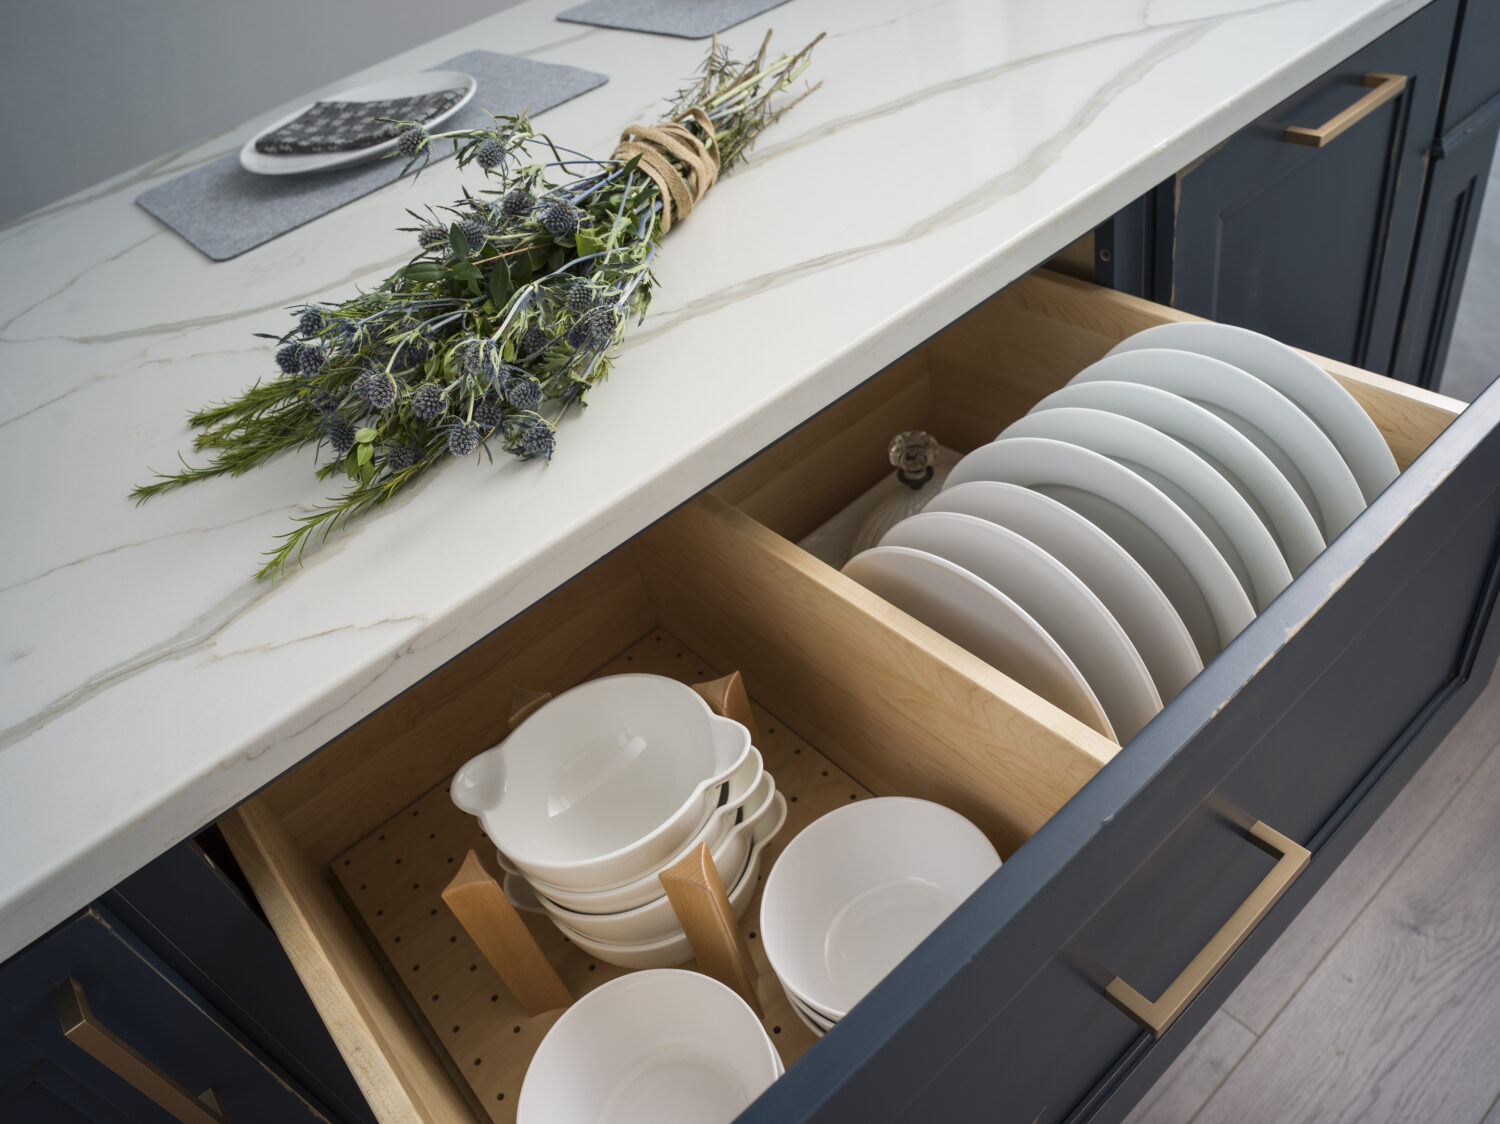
687 19
224 210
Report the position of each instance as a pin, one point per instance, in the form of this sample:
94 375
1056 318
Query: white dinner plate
1188 481
1117 579
1054 597
402 86
1316 392
978 617
1137 515
1272 422
1248 469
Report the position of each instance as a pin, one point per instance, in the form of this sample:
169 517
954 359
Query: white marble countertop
147 683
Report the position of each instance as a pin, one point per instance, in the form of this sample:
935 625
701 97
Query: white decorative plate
1137 515
1316 392
1054 597
1272 422
1117 579
978 617
1249 470
1188 481
403 86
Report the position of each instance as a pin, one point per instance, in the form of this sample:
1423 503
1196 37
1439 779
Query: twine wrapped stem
698 156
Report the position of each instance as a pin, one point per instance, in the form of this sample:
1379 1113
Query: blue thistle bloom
559 218
491 155
515 203
427 403
310 360
286 358
534 340
340 432
398 457
478 360
412 142
463 439
432 238
523 392
580 297
488 413
474 232
537 440
600 326
379 389
324 402
310 322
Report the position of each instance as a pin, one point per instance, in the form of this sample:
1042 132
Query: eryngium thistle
286 358
432 238
463 439
309 360
379 389
310 322
340 432
412 142
559 219
427 402
580 297
522 392
478 359
533 340
490 155
488 413
538 440
594 329
324 402
473 232
398 457
515 202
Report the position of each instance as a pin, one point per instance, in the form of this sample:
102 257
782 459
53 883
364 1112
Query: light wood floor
1381 1002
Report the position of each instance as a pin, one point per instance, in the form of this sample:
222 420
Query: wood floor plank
1273 982
1180 1092
1401 1020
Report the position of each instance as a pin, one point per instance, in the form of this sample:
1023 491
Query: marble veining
147 683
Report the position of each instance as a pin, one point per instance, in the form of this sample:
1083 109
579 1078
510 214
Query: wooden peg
697 895
523 702
482 908
726 697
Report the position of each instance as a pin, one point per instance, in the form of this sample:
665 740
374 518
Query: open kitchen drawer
1118 862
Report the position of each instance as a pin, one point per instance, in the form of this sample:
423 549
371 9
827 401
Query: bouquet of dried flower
506 316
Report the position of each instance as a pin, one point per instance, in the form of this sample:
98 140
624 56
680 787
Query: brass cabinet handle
1383 87
1156 1016
84 1030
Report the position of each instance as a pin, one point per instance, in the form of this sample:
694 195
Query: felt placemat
687 19
224 210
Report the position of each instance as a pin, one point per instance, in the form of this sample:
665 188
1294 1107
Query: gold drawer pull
1383 87
107 1048
1157 1016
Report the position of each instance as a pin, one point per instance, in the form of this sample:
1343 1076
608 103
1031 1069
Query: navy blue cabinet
1355 247
95 1027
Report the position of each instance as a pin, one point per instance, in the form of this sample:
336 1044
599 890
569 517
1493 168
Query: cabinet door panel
1310 245
1306 721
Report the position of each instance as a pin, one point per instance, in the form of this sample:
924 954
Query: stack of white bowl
1107 545
606 786
857 890
667 1046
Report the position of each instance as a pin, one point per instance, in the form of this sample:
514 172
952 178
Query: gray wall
91 88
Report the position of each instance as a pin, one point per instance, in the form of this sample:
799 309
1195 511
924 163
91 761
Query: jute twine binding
655 143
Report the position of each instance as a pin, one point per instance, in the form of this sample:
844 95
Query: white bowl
744 794
655 920
809 1018
860 888
668 1047
605 782
650 954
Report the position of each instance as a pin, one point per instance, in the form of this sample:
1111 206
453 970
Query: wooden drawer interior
853 697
